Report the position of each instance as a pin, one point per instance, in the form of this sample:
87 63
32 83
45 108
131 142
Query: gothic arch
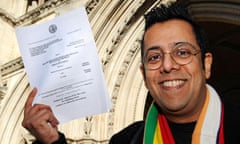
13 109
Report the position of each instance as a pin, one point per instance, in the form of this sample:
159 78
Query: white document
61 60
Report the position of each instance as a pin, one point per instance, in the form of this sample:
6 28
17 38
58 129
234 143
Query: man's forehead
169 31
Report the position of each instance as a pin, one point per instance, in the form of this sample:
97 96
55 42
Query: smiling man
173 70
176 62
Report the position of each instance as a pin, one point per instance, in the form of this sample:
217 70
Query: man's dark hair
175 11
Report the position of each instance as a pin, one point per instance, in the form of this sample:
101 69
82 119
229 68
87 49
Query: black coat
133 134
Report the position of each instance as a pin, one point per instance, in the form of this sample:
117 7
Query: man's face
177 89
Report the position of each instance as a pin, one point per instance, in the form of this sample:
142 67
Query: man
175 65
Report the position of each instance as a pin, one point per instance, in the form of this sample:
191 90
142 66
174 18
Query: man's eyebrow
152 48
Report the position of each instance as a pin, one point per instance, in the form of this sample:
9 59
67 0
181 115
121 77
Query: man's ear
208 64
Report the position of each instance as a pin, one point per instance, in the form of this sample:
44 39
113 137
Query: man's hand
40 121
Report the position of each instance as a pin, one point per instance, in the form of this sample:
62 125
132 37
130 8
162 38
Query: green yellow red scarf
208 129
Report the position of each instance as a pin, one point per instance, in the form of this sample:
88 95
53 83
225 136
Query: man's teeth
173 83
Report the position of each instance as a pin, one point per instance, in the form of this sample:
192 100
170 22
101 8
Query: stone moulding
11 66
40 12
32 15
222 11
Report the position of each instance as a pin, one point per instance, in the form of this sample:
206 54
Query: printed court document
61 60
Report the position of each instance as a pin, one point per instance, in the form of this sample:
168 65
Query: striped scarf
208 129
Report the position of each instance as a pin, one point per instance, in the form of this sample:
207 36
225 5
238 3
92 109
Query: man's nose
168 63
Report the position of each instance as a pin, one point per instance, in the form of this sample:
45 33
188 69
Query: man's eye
183 53
154 58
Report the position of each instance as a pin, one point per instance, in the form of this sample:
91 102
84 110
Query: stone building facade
117 27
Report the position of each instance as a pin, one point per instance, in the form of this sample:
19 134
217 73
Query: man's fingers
30 99
46 114
36 108
53 120
43 118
